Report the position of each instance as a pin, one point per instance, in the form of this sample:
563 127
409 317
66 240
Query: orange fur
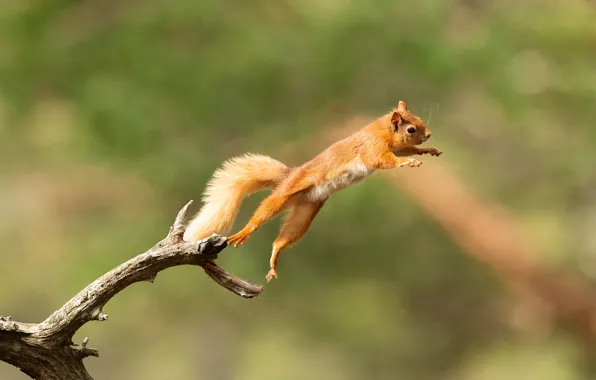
385 143
238 177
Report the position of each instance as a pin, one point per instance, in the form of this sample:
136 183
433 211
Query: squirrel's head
407 128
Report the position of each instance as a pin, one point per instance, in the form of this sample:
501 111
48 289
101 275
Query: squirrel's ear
395 118
402 107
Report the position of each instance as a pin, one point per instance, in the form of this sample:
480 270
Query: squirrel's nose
427 134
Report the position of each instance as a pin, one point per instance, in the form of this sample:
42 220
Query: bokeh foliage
115 113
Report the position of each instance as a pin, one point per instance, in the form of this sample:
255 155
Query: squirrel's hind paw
412 162
272 274
238 239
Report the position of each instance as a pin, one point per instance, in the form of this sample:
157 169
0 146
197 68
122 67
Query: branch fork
45 350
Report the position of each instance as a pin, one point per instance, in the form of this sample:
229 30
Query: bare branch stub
83 351
46 351
179 226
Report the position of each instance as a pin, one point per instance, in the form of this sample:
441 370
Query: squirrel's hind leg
268 208
295 226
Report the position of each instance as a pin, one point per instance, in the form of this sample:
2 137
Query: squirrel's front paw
433 152
411 162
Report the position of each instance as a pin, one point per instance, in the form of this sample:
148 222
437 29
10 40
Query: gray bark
45 350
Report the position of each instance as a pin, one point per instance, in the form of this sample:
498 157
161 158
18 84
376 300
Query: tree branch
46 351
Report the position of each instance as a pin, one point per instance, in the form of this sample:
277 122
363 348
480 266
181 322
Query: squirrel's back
237 178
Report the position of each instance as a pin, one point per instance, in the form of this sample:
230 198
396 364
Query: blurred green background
113 114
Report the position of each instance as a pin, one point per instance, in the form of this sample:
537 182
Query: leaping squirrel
385 143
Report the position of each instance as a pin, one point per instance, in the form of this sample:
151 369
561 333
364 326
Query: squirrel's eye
411 130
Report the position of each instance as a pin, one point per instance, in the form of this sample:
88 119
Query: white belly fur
353 172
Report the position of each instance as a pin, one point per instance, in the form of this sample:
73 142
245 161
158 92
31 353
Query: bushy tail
237 178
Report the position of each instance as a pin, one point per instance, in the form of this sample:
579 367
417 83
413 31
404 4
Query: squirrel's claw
411 162
238 239
272 273
434 152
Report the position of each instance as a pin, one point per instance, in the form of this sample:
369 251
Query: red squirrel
385 143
